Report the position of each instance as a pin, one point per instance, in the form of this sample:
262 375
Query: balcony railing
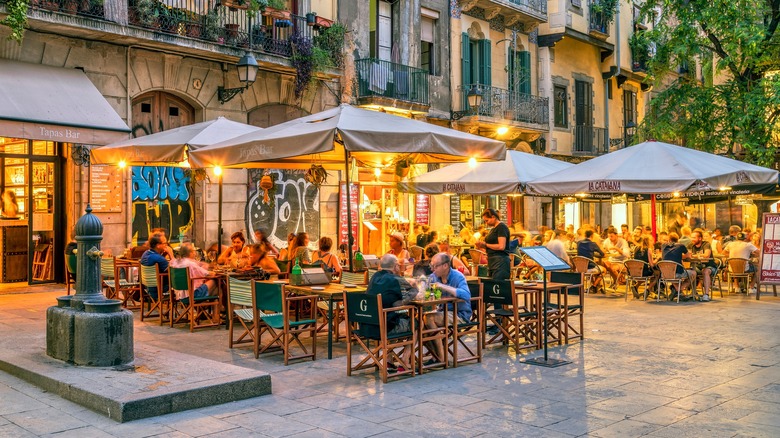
504 104
538 7
197 19
599 20
589 140
395 81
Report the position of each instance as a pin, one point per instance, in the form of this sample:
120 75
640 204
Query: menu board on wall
769 271
105 189
455 213
422 208
353 198
502 208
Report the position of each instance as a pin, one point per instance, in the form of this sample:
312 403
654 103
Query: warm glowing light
676 194
447 194
185 163
217 170
122 164
581 195
472 162
502 130
377 172
725 188
477 235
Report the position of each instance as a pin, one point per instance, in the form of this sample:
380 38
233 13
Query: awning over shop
57 104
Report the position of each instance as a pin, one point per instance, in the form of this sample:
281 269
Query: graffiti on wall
161 199
293 205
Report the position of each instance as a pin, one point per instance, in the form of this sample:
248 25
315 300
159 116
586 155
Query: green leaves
16 19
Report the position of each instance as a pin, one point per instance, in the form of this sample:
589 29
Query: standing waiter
496 245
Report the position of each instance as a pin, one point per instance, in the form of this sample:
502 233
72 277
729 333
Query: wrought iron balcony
599 19
384 79
538 7
590 140
204 20
499 103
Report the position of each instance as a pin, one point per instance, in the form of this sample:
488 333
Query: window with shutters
519 70
629 116
427 46
475 66
561 109
583 103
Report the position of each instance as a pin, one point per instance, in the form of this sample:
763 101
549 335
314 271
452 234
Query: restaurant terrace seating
634 273
242 308
581 264
573 305
517 315
669 278
152 277
362 309
280 320
460 348
738 270
188 308
115 286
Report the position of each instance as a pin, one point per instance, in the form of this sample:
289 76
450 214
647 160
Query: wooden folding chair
517 318
282 323
458 331
371 318
155 295
70 271
188 308
573 305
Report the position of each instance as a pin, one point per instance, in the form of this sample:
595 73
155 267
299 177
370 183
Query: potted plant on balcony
70 7
274 8
147 13
311 18
211 30
16 20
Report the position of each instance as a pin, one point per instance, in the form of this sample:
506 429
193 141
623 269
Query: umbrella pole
349 210
652 217
219 218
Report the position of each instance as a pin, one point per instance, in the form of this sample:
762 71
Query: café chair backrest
149 276
363 308
70 263
497 292
180 278
240 292
268 296
574 278
107 267
284 265
475 289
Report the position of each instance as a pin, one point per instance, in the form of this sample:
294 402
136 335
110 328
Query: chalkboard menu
455 213
769 270
353 197
422 208
502 200
106 189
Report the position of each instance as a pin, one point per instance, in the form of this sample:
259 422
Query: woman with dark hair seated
423 267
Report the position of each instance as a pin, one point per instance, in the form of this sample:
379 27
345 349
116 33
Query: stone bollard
86 328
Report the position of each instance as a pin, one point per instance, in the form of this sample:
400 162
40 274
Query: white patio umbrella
329 138
169 147
490 178
334 137
655 168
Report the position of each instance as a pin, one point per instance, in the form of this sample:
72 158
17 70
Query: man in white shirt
742 248
617 250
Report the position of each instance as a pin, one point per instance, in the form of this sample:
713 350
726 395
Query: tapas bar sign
769 272
106 189
353 200
422 208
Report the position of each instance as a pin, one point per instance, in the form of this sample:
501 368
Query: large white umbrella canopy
653 168
373 138
490 178
171 146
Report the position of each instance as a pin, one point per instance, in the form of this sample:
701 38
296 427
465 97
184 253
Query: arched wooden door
158 111
162 196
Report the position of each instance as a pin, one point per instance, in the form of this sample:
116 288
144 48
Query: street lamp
247 73
474 97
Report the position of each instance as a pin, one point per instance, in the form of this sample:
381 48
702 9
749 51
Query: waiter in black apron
496 245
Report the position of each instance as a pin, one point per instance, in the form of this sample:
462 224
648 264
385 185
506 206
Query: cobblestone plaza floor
644 369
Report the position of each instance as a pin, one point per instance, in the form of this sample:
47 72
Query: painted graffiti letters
161 199
295 206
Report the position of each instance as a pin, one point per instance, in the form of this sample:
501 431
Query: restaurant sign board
603 186
769 267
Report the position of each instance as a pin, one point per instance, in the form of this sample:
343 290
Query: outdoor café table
331 292
532 295
424 334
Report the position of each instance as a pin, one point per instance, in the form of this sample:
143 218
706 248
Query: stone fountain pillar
86 328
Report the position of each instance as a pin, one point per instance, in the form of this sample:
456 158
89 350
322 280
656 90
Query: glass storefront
30 236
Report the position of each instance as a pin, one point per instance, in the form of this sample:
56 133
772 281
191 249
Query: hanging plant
316 175
197 175
16 19
266 184
402 166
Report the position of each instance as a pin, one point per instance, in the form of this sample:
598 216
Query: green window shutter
525 72
465 67
484 62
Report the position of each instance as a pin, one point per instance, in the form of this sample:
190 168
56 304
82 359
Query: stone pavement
645 369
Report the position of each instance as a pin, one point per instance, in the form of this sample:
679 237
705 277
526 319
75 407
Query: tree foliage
731 102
